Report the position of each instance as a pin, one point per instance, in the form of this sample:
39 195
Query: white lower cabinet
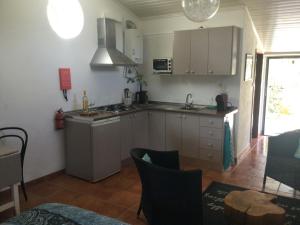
140 129
194 136
157 130
212 156
210 143
173 131
211 140
190 136
126 136
134 132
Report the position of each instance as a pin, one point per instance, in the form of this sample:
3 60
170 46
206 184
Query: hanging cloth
228 150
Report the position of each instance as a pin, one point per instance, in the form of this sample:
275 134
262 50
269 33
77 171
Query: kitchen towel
228 150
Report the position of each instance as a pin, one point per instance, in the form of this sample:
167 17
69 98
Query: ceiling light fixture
200 10
65 17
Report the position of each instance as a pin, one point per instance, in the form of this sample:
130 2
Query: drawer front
211 155
208 132
208 143
206 121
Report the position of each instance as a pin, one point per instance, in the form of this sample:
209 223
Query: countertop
156 106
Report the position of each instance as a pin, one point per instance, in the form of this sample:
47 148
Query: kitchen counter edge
153 107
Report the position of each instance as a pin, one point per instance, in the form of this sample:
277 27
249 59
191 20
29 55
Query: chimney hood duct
107 54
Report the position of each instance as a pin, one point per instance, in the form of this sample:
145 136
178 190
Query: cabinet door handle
187 71
192 72
211 71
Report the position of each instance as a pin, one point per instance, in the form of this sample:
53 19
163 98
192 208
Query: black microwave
162 66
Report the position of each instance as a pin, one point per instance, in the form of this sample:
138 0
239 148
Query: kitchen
35 95
91 80
104 87
190 137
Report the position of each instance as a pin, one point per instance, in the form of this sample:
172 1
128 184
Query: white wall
158 42
244 126
30 55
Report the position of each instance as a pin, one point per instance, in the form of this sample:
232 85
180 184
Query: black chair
169 196
22 136
281 162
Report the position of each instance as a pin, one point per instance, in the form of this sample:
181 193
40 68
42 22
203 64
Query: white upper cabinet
223 51
134 45
182 52
212 51
199 52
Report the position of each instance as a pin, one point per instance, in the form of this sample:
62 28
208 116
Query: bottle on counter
85 102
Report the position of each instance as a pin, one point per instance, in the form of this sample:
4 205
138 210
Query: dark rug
214 205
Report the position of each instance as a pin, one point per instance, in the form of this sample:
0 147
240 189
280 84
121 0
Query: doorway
282 105
259 59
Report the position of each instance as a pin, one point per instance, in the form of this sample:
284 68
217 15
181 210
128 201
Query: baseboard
55 174
47 177
127 161
243 154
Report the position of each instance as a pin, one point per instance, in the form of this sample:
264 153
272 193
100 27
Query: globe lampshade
200 10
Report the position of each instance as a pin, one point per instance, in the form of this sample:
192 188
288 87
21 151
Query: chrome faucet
189 101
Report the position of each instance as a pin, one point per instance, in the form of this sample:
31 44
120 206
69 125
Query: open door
257 94
282 104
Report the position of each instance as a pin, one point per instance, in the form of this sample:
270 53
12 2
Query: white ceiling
146 8
277 21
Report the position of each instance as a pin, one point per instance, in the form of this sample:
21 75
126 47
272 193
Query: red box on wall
65 78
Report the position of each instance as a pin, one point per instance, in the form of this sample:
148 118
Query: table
10 176
252 208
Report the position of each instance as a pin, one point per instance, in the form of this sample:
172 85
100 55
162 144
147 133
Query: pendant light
200 10
65 17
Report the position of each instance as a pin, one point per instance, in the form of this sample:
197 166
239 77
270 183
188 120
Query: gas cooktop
116 108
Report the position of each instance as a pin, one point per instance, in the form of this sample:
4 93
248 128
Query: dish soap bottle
85 103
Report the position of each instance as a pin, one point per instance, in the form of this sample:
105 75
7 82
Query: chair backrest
20 134
284 145
281 162
169 196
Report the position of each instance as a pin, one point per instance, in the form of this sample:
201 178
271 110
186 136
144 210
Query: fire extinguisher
59 119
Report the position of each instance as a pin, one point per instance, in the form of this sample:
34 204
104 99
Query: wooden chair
10 176
11 165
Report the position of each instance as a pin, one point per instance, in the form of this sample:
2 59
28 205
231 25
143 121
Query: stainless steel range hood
107 54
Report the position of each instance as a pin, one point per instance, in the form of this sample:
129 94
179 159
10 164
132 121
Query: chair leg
264 183
24 190
140 209
16 199
278 188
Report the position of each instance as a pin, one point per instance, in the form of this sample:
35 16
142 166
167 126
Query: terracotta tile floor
119 195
